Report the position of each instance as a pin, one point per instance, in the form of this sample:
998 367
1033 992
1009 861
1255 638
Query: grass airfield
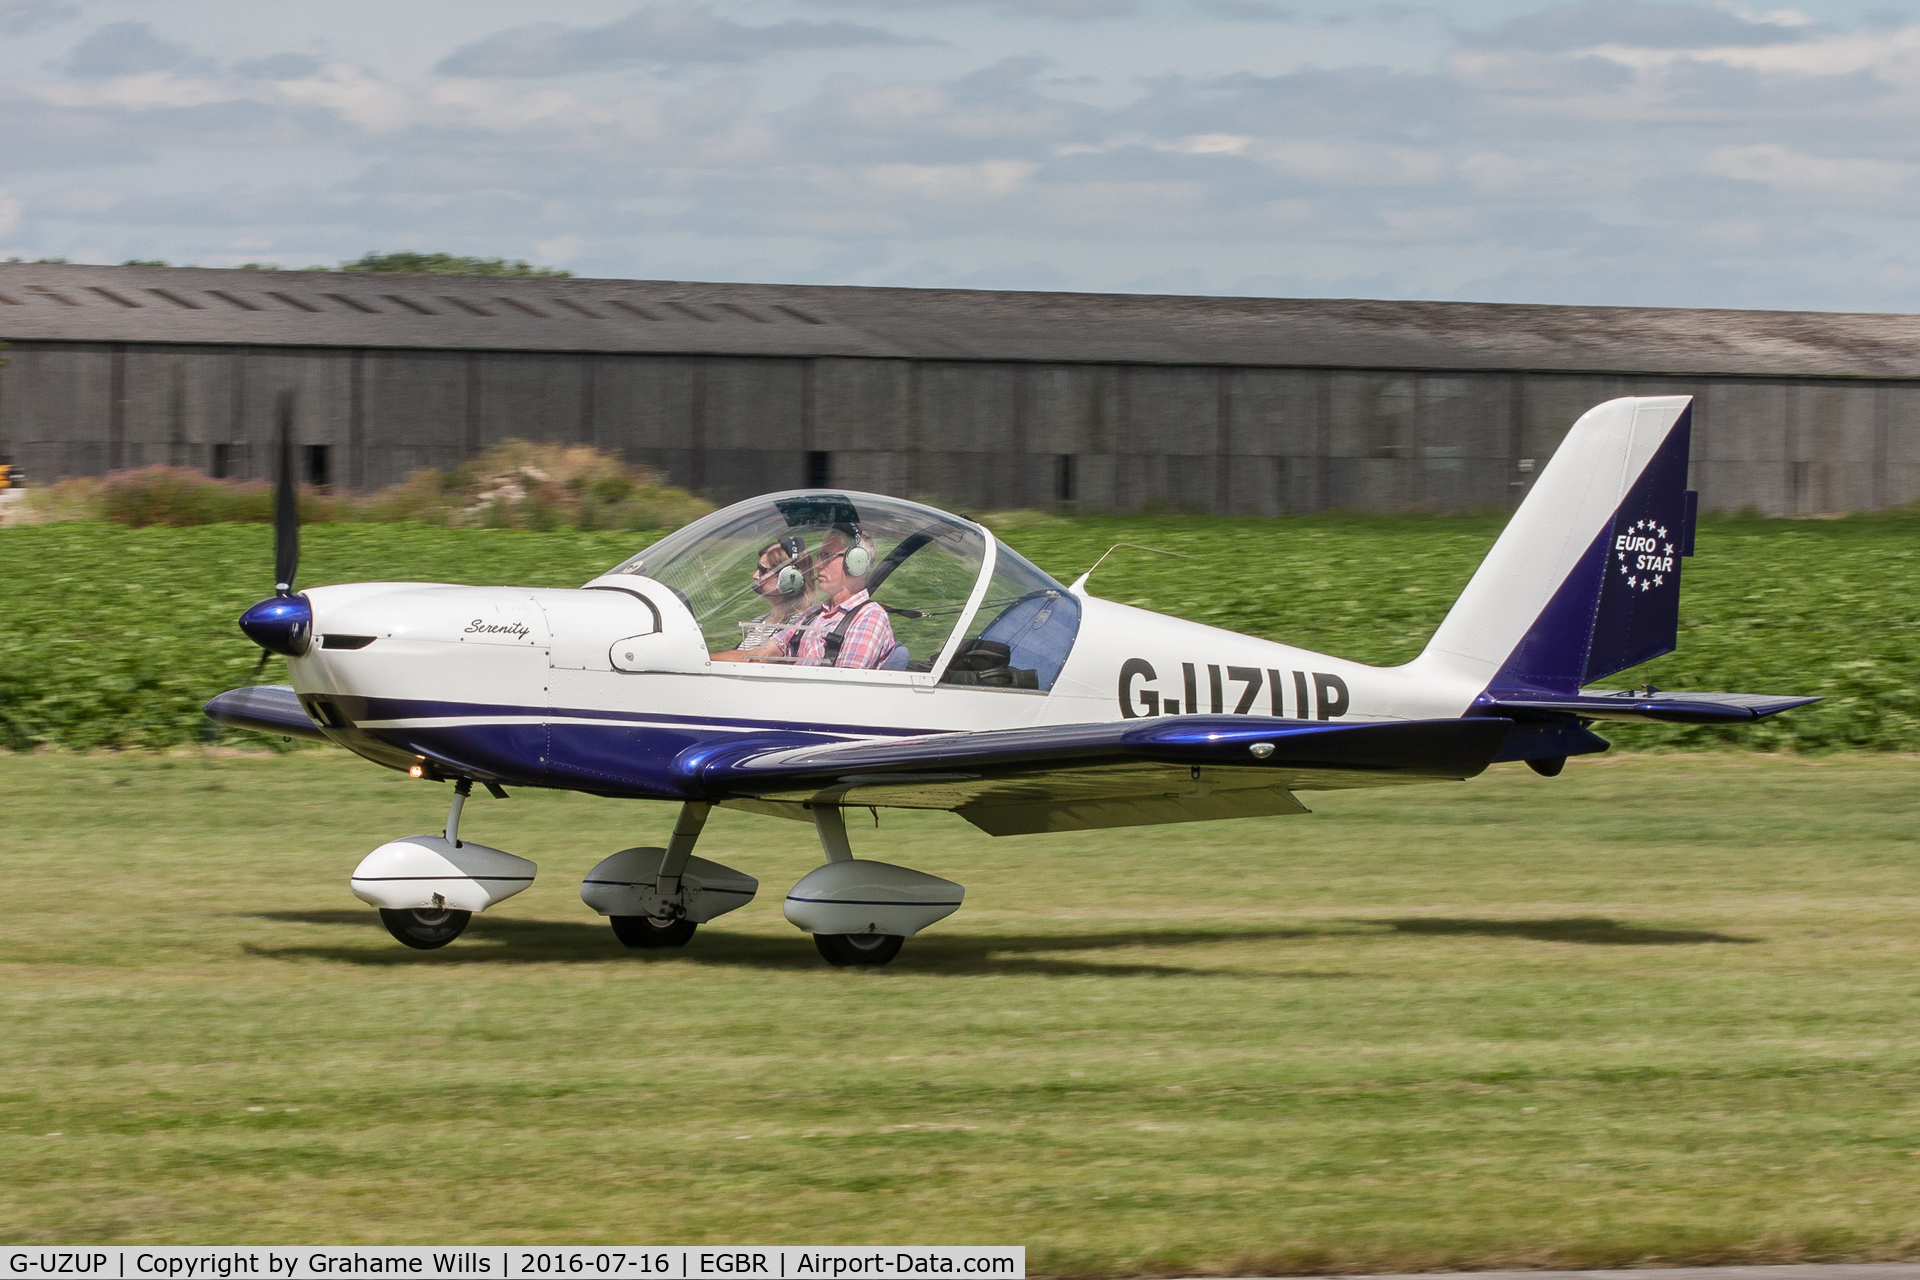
1660 1009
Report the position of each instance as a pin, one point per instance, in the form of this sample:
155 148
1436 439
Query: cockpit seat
1038 631
983 661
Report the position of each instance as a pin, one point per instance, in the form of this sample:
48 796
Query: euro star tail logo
1644 556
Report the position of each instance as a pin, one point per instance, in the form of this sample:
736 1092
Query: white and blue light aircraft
1019 703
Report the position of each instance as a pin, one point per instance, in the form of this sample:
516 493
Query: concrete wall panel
1072 409
643 410
534 396
753 404
861 406
56 409
1743 465
1465 441
320 382
1272 429
1897 447
969 422
1375 422
179 402
1830 449
416 413
1176 412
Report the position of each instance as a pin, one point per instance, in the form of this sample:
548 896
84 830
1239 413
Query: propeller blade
286 507
265 655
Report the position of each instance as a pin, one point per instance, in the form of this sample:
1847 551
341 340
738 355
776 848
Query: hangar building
979 400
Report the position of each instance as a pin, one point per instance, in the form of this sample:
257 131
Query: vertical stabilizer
1585 579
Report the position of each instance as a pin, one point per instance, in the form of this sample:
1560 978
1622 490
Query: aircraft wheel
863 950
646 933
425 928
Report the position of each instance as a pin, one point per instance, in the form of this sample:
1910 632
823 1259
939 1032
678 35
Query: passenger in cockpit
850 629
782 576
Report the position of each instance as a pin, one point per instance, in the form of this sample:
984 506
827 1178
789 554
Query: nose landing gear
428 887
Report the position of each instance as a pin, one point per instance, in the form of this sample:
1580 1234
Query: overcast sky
1607 151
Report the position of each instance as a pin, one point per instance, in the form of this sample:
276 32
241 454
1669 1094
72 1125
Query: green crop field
1662 1009
111 636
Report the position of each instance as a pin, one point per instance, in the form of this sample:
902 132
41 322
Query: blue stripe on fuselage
565 749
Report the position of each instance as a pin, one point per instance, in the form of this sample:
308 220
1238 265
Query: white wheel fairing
627 884
426 873
862 897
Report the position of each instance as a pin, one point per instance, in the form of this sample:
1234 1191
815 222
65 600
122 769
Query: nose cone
282 625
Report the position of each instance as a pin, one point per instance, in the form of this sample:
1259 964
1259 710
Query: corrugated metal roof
58 302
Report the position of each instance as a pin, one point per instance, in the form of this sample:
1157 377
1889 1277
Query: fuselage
601 688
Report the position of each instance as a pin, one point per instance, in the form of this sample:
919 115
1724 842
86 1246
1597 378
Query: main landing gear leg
858 950
655 932
832 826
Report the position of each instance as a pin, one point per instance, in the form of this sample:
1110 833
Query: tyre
866 950
425 928
650 934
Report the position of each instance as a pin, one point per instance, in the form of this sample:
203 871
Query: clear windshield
753 569
1024 630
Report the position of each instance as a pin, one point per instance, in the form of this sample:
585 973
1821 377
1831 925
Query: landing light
416 772
1261 750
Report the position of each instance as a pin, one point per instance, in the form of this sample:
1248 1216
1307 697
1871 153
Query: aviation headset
791 581
857 559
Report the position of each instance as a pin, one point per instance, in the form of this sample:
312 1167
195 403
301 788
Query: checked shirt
869 637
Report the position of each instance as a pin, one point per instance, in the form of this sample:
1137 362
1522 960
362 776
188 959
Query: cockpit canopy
751 570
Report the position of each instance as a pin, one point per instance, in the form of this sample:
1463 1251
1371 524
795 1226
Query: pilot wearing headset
781 576
851 630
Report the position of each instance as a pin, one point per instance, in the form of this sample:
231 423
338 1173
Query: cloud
1068 10
1244 11
661 35
1640 24
1828 179
1641 153
278 66
21 17
130 49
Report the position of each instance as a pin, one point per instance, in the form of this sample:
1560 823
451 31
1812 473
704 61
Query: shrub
513 485
77 498
179 496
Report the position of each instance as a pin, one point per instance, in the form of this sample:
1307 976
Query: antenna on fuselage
1081 581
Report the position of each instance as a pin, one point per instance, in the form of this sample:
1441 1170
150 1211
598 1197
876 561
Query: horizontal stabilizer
1627 704
269 708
